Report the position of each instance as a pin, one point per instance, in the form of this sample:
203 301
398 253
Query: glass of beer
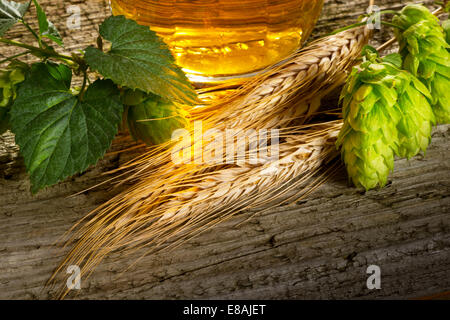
216 40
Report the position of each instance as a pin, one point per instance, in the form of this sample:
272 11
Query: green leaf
61 73
46 27
395 59
10 13
139 59
58 134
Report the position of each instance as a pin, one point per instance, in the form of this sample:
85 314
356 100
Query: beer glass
215 40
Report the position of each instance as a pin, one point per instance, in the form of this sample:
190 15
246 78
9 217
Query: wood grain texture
316 248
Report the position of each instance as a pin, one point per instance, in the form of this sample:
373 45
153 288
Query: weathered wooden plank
319 247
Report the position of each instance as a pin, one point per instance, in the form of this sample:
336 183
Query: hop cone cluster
9 79
153 119
424 48
386 113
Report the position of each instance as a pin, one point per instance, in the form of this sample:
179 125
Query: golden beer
213 39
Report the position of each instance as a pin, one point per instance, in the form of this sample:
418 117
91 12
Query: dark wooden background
314 249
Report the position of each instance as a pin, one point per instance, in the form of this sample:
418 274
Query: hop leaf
60 134
46 28
11 12
154 120
424 48
139 59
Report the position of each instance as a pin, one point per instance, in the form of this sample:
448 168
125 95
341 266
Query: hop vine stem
83 87
41 44
45 52
15 56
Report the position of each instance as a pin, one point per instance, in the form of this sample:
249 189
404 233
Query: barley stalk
227 191
167 202
287 94
297 85
276 99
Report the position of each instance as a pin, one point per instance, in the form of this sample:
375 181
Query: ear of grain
169 202
286 95
217 196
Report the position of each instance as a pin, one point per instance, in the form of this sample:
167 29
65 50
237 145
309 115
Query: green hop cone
386 113
446 26
6 89
133 97
416 123
424 48
369 137
9 79
154 120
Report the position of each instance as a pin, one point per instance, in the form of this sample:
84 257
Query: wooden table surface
317 248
